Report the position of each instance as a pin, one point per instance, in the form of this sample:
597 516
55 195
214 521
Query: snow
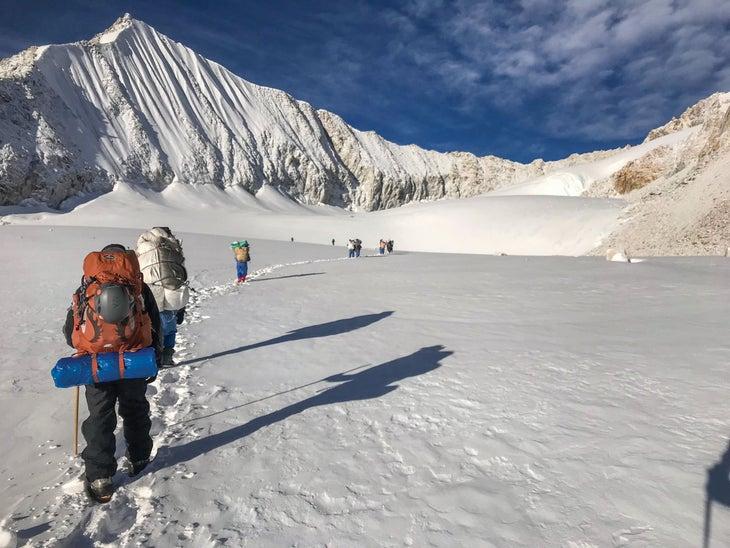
109 37
576 179
135 106
40 51
7 538
617 255
417 399
516 225
413 399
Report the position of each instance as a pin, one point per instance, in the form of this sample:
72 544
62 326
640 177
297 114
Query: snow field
575 180
410 400
547 225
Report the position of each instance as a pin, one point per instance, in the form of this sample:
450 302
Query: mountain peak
122 23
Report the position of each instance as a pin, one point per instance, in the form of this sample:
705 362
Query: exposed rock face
639 173
706 110
679 197
712 230
710 119
389 175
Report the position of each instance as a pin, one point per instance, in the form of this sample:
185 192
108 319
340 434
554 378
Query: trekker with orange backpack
113 311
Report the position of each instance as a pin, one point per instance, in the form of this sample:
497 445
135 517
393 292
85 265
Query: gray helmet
113 303
113 248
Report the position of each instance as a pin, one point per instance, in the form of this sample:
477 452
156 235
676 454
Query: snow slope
132 120
409 400
579 178
524 225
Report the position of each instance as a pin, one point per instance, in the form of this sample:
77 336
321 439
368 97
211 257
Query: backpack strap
83 299
95 367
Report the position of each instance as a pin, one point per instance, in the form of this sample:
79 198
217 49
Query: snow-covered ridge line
133 105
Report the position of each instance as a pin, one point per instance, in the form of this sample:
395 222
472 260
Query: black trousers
99 428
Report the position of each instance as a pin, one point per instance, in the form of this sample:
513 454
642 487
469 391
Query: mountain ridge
132 105
225 131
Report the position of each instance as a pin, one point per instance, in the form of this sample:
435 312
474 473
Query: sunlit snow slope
135 106
577 179
525 225
410 400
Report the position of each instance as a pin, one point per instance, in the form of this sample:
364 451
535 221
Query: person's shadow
370 383
262 279
717 489
328 329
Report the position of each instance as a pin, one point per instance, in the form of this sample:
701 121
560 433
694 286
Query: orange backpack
92 333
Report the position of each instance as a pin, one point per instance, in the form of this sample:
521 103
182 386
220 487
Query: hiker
350 249
358 247
115 310
389 246
292 239
333 241
243 256
381 247
162 263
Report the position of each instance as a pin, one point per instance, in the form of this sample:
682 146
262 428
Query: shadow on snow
717 489
311 332
263 279
371 383
264 398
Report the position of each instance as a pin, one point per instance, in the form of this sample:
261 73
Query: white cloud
592 68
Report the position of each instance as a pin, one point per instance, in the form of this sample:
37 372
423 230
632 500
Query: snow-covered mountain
132 109
132 105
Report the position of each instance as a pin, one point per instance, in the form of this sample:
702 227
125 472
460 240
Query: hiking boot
167 357
133 468
100 490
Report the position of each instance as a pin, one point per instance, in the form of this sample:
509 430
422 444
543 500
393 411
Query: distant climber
333 241
358 247
243 256
350 249
389 246
381 247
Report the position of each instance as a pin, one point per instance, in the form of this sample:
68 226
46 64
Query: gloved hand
180 316
150 380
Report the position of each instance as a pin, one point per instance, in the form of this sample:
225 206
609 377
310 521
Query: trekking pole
76 423
708 518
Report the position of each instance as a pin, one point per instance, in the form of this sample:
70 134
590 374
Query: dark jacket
152 311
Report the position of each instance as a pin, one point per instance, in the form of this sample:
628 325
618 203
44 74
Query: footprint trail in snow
71 519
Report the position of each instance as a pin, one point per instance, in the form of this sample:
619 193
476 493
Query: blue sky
517 79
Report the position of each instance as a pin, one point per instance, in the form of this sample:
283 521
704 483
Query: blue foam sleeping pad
76 371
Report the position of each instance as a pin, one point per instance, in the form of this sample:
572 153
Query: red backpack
111 281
